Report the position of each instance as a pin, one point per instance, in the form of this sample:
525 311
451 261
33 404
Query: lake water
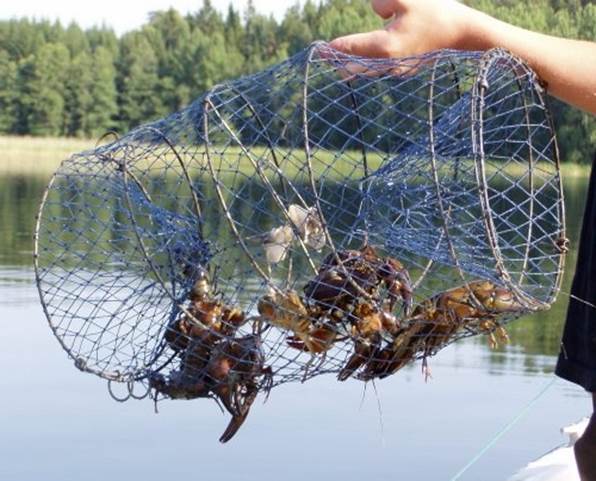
59 424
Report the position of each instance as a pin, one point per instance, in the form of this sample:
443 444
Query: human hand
420 26
417 27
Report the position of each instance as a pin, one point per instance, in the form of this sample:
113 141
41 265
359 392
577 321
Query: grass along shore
37 155
42 156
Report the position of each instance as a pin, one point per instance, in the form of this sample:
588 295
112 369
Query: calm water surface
59 424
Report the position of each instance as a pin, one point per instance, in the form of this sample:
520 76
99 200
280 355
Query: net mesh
330 214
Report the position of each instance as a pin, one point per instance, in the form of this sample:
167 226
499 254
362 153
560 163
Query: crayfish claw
362 354
233 426
296 343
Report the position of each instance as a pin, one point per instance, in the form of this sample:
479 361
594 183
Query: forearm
567 66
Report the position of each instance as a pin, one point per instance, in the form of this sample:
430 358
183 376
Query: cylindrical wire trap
307 220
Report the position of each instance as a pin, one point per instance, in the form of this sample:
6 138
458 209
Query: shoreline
41 156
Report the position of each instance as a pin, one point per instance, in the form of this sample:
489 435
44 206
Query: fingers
387 8
376 44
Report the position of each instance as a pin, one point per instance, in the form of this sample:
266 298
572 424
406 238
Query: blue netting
307 220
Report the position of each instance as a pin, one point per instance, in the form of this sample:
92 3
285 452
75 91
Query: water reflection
65 421
538 334
58 423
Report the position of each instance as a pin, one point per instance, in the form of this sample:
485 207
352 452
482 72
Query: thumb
377 44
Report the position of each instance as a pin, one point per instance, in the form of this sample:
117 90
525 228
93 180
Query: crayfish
436 320
213 362
350 275
360 289
230 375
286 310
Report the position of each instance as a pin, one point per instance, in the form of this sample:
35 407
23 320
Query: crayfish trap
330 214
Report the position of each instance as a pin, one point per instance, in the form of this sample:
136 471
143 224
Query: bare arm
419 26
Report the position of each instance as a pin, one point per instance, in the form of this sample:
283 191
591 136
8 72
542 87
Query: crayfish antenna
380 409
363 398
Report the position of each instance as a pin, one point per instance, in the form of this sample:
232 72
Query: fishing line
579 299
504 430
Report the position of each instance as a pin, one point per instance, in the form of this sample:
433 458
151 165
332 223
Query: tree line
60 80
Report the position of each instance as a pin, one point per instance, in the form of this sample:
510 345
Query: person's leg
585 449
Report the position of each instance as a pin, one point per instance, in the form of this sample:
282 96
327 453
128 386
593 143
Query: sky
121 15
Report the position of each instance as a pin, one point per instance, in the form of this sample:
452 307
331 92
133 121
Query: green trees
102 112
341 17
8 88
138 82
68 81
296 29
42 93
78 98
169 35
566 18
